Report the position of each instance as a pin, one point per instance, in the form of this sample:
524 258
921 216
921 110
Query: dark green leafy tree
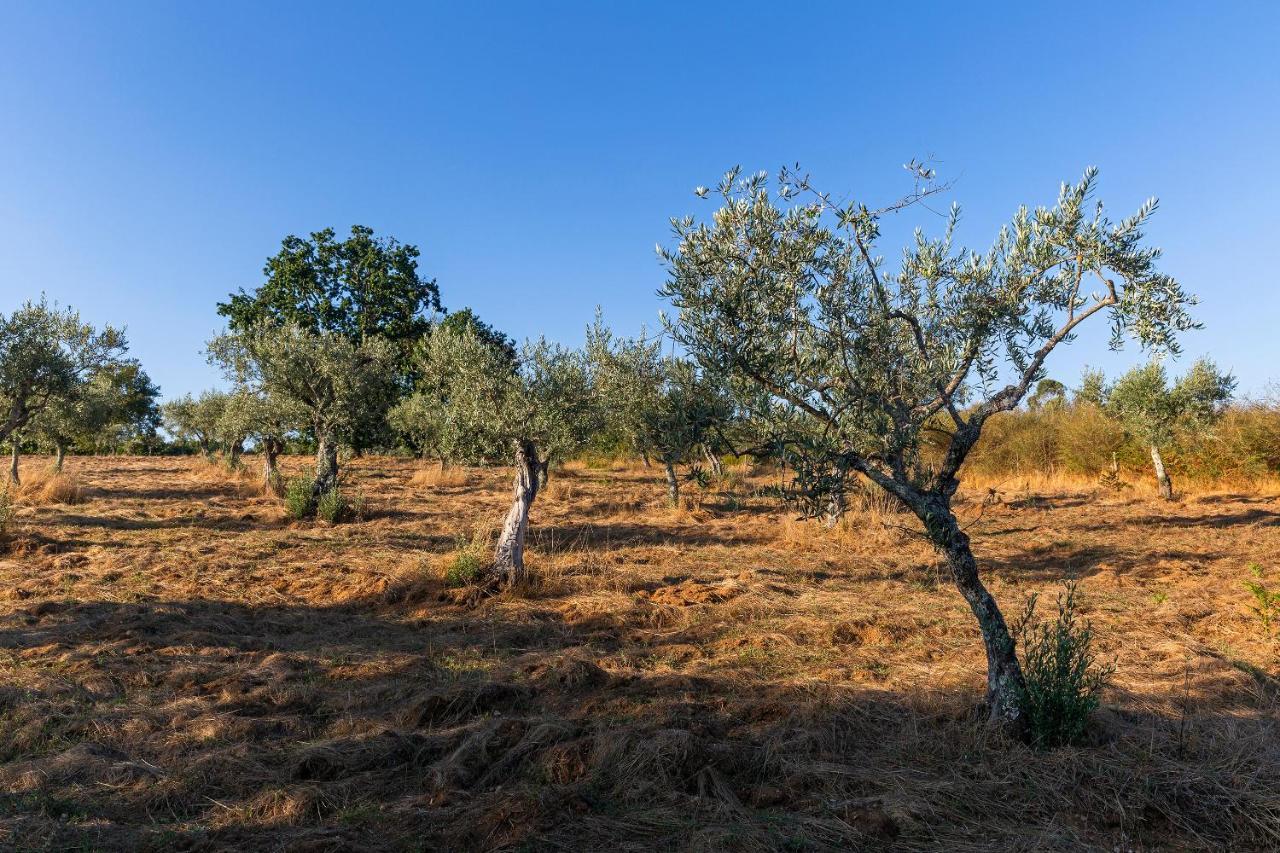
482 407
358 288
1152 410
795 299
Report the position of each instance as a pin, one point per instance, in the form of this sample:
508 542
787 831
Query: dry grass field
183 668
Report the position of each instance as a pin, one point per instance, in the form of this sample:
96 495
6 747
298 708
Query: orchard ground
184 668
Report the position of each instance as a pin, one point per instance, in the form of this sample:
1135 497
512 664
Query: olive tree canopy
322 377
793 297
1152 410
664 406
481 407
45 354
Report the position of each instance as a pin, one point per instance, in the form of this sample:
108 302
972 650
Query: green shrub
334 506
1266 601
470 561
299 502
1063 678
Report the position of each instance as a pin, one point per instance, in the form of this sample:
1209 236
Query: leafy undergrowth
184 667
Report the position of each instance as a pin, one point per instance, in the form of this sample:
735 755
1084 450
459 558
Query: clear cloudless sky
153 155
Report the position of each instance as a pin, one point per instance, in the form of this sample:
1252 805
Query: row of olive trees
787 317
65 384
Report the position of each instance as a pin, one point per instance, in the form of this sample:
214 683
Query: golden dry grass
185 668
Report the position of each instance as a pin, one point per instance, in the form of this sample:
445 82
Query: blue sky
153 155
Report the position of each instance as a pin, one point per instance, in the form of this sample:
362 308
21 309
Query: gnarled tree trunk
270 464
326 465
1005 683
837 505
713 460
234 453
59 456
1162 476
508 557
673 484
15 443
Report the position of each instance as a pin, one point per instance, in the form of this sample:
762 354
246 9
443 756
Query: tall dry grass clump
439 477
50 487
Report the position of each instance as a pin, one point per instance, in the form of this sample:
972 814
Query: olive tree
197 419
323 377
793 298
666 407
45 354
115 403
1152 410
484 406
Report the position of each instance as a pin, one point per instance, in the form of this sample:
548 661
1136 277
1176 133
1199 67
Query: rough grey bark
837 505
1004 674
326 465
59 456
714 461
234 453
1162 476
14 443
673 485
270 464
508 556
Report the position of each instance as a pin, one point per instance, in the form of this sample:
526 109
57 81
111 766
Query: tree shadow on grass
197 723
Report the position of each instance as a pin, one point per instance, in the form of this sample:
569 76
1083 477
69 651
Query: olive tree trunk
508 556
1005 683
717 468
1162 476
837 506
326 465
270 464
673 484
234 453
59 456
14 443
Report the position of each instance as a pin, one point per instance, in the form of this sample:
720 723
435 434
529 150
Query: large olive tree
46 353
1152 410
482 407
793 298
323 377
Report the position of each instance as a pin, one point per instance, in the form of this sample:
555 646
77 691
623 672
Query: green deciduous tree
1152 410
359 288
482 406
794 299
324 377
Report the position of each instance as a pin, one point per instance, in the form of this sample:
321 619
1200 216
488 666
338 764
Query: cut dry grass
182 667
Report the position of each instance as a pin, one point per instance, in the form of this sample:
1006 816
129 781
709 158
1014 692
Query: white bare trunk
508 557
1162 476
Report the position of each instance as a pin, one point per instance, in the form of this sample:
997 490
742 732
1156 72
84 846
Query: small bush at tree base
334 507
469 561
1266 602
298 500
1063 678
